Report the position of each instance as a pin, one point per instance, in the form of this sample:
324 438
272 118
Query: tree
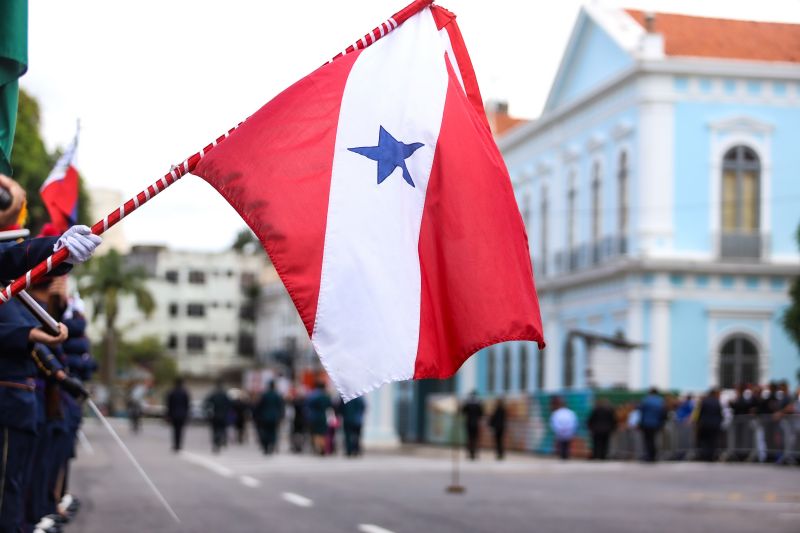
107 279
243 238
791 316
32 163
148 352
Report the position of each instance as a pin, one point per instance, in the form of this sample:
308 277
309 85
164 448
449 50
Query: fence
741 438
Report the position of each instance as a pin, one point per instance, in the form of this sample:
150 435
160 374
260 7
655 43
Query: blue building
661 194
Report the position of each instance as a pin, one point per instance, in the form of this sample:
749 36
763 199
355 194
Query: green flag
13 64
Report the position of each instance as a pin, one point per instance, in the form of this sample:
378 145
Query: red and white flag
59 191
376 187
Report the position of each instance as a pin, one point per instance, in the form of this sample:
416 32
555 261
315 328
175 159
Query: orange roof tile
686 35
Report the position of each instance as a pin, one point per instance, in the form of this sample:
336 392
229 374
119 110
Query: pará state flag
375 186
59 191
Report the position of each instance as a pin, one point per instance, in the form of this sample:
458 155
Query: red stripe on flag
275 170
477 280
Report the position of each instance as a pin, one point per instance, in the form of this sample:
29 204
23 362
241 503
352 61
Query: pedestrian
709 422
218 407
473 412
564 424
497 421
268 414
352 422
136 400
318 406
299 424
652 416
177 402
241 410
601 424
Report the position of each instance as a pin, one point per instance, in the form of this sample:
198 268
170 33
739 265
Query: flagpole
177 172
101 226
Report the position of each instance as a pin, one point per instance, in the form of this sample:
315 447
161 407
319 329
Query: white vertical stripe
146 193
27 279
164 181
367 326
136 201
381 29
364 42
49 263
186 166
122 211
394 24
105 224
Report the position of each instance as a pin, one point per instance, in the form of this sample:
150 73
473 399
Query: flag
377 190
59 191
13 64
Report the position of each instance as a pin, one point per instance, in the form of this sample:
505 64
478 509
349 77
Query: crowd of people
753 423
313 419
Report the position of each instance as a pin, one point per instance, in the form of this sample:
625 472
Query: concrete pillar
380 429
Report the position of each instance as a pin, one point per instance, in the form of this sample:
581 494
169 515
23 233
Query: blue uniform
16 259
18 408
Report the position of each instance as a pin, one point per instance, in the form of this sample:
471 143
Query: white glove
80 241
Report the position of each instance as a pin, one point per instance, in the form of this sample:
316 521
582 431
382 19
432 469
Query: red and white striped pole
101 226
188 165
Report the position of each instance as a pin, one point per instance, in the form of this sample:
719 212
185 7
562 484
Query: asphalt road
241 490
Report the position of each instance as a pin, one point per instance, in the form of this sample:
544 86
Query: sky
153 81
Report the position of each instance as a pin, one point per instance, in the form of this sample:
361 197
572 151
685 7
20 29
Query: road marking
372 528
210 464
250 481
296 499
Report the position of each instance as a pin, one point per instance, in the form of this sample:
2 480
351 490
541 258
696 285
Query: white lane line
372 528
296 499
205 462
249 481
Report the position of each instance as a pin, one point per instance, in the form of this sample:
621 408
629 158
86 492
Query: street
241 490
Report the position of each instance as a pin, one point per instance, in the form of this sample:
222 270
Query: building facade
660 190
205 311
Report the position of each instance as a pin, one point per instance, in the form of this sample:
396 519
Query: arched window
622 200
507 368
490 370
738 362
543 213
523 368
741 191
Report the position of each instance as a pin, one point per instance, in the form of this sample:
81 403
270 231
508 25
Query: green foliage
243 238
148 353
32 163
106 278
791 317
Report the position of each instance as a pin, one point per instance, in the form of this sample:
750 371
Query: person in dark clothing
473 412
319 405
218 406
241 411
299 424
601 423
177 403
653 415
497 421
352 422
268 414
709 421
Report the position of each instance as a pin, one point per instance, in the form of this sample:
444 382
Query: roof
686 35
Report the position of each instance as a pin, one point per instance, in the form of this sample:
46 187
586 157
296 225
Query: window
171 276
738 362
247 311
543 228
596 202
569 365
173 309
622 184
248 279
195 343
523 368
196 310
540 368
197 277
507 368
741 191
172 342
490 370
246 344
572 198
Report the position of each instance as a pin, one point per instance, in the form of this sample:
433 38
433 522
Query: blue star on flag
390 154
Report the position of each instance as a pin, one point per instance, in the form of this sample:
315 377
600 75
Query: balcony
590 255
745 246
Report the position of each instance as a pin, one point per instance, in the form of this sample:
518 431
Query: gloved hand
81 243
73 387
